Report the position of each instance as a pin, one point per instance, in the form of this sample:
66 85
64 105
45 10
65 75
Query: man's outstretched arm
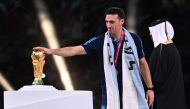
65 51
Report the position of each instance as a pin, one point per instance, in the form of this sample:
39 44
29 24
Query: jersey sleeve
139 45
91 45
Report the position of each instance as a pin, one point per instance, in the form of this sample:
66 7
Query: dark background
76 21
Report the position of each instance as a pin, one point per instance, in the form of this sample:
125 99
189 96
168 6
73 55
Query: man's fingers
151 106
147 97
37 48
150 97
150 102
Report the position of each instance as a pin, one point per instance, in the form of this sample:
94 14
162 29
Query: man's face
113 23
151 35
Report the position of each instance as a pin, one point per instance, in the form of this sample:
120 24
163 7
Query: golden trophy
38 64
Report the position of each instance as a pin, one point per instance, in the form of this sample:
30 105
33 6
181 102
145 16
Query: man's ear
122 21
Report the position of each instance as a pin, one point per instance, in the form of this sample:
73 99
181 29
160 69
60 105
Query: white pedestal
47 97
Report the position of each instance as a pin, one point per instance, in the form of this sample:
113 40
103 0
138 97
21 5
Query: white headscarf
161 32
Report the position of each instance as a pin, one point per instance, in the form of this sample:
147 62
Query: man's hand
150 97
45 50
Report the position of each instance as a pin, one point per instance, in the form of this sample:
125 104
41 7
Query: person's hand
150 97
45 50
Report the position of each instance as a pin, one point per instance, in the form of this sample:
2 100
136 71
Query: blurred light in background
4 83
51 37
131 17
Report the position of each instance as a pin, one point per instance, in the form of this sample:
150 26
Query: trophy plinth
38 64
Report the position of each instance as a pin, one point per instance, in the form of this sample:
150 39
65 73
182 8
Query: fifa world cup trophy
38 61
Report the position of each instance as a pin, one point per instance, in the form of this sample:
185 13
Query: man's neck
118 34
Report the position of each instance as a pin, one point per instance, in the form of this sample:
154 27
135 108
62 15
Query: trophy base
47 97
37 82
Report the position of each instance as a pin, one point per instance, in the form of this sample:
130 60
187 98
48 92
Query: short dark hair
116 10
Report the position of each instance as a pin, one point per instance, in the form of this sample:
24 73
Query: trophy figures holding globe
38 61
